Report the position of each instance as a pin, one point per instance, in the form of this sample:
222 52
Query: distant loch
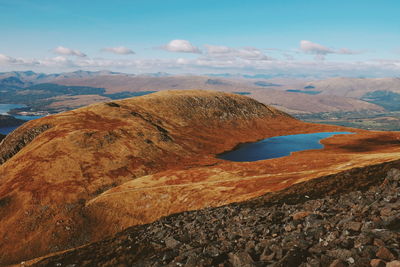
5 108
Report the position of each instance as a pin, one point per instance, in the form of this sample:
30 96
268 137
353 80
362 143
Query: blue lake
276 147
26 118
4 108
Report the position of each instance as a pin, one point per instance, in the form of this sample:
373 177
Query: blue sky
362 36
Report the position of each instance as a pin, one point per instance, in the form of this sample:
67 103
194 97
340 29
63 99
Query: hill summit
52 166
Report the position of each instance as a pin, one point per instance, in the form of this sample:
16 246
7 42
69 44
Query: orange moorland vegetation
83 175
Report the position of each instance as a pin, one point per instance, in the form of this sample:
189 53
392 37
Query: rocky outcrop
357 225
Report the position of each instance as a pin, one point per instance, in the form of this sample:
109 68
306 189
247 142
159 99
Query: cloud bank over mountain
310 59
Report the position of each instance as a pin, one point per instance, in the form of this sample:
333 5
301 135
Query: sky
359 38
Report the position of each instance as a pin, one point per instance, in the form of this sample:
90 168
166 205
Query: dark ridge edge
16 141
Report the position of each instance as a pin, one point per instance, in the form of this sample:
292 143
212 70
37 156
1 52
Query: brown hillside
151 156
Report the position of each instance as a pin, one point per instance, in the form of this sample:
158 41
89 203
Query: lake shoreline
276 147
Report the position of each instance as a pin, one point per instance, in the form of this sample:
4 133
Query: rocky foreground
348 219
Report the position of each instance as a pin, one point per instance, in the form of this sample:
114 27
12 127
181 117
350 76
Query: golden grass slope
151 156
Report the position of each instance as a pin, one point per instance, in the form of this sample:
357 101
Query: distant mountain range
27 78
63 91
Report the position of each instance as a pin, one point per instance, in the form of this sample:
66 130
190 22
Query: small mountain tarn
276 147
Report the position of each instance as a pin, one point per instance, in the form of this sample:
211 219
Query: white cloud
120 50
61 50
182 61
182 46
251 53
218 49
314 48
5 59
248 53
321 51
